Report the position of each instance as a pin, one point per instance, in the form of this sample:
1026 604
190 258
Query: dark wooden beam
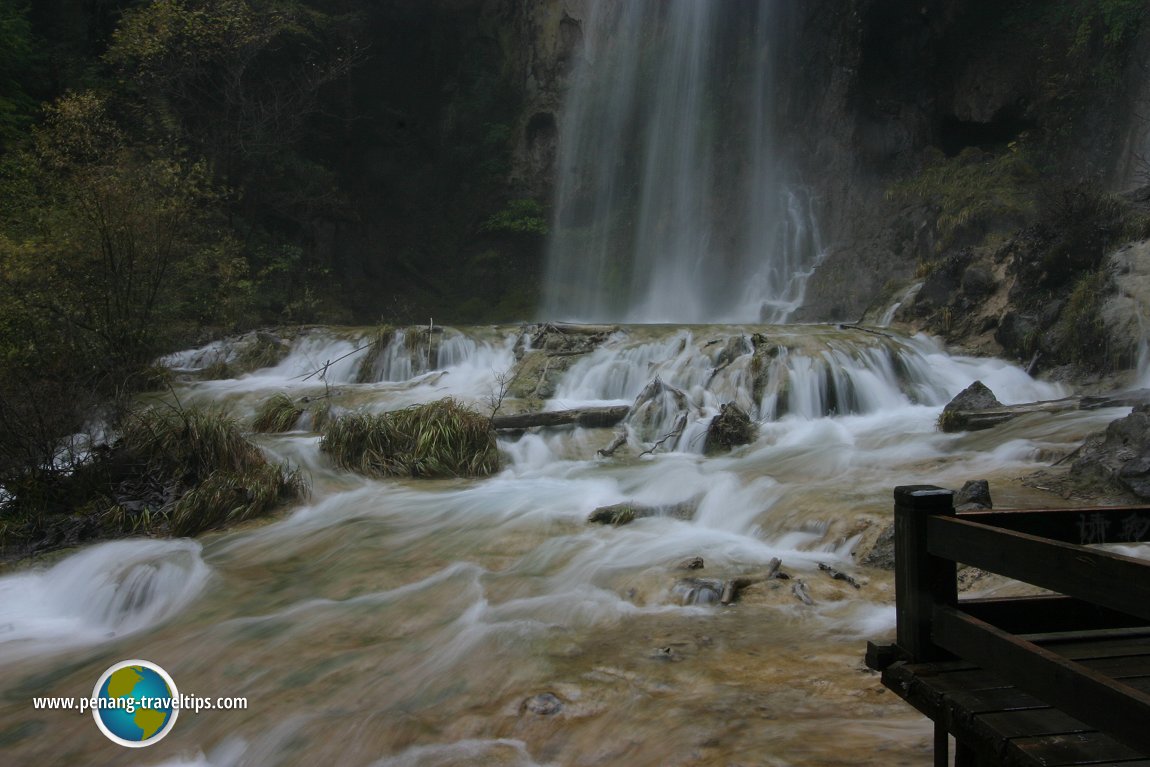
1047 613
1115 581
1112 524
922 579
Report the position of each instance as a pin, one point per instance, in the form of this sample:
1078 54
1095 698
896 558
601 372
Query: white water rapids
468 622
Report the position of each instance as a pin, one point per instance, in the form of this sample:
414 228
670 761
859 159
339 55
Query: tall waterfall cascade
673 200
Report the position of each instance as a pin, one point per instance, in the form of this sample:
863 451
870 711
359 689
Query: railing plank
1085 526
1047 613
1087 695
1112 580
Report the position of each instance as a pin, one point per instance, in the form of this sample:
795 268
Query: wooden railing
1099 592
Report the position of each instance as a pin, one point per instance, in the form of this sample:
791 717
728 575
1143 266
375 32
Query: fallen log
572 328
590 417
974 419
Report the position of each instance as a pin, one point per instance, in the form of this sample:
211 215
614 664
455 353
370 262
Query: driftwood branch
590 417
838 575
618 442
799 589
732 587
675 432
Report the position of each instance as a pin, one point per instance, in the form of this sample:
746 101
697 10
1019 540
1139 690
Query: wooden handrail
1109 524
1101 595
1102 577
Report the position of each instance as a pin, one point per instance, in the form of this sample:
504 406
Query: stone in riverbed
974 494
1120 455
730 428
974 397
626 512
543 704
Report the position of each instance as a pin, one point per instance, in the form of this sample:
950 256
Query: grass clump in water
278 414
218 477
439 439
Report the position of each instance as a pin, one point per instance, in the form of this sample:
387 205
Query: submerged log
583 330
590 417
976 420
958 416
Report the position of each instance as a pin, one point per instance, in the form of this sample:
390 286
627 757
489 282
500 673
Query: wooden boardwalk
1059 679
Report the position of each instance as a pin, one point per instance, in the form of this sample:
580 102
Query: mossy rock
730 428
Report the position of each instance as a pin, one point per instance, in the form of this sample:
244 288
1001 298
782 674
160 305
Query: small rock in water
692 563
975 494
543 704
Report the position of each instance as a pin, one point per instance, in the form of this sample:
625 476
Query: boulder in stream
730 428
1120 455
977 396
623 513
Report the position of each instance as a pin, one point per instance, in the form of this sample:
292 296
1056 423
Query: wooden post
922 581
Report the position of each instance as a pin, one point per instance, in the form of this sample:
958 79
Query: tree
16 60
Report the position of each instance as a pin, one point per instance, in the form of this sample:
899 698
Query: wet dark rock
978 281
692 563
974 397
881 554
543 704
974 494
1119 456
730 428
626 512
1016 332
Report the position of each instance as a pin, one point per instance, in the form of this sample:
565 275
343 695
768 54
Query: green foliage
1114 22
520 216
972 191
440 439
227 478
1080 324
1080 224
279 413
98 242
17 58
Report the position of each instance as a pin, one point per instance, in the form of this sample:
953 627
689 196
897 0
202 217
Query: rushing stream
467 622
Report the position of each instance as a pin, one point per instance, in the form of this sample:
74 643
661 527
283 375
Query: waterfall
673 203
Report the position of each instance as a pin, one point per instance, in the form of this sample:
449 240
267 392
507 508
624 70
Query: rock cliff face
464 111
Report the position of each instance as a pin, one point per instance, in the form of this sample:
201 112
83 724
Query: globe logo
136 703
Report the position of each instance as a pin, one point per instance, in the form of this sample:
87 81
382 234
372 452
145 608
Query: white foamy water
104 592
429 623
